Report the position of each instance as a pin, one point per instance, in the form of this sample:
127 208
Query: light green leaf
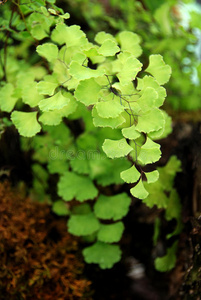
60 208
7 100
129 41
158 68
70 35
93 55
87 91
81 72
40 25
83 224
57 101
152 176
48 50
139 191
72 186
102 36
130 133
147 100
112 207
109 109
103 254
108 48
119 148
65 16
111 233
51 117
164 132
131 175
44 11
151 121
149 153
149 81
30 94
70 107
167 262
106 122
26 123
129 69
48 86
52 11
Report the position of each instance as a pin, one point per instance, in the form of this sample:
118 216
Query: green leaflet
102 36
60 208
87 91
83 224
130 133
118 148
131 175
57 101
167 262
51 117
112 207
158 68
26 123
72 186
149 152
30 94
103 254
70 107
129 41
110 233
81 72
72 36
80 163
108 48
106 122
152 176
173 211
151 121
48 50
106 171
147 100
7 100
57 166
158 190
164 132
109 109
39 25
156 195
128 67
149 81
168 172
55 117
48 86
139 191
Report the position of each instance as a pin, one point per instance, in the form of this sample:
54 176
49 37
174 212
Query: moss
39 259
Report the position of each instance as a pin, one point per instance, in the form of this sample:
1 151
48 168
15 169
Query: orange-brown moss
38 258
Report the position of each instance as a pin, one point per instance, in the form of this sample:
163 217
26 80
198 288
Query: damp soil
36 264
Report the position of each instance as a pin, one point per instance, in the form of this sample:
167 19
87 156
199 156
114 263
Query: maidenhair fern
119 100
